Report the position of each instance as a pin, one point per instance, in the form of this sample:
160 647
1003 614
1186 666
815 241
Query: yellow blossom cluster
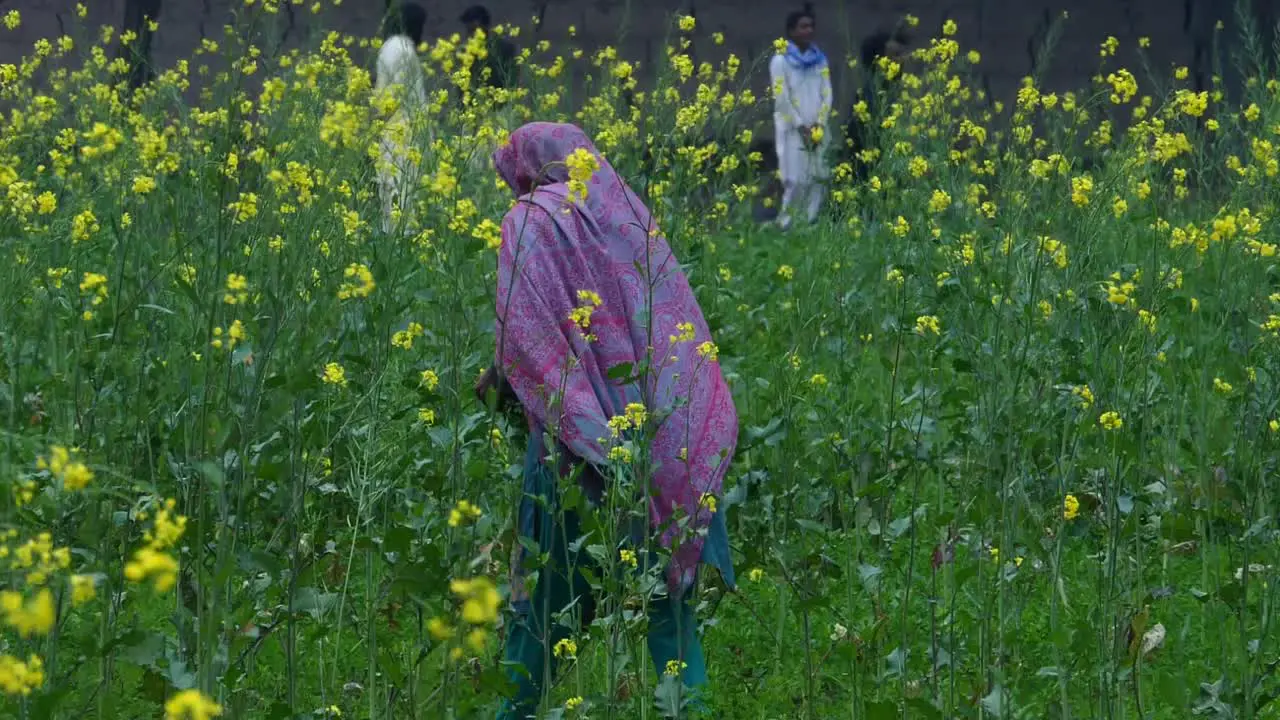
479 600
581 165
20 677
580 316
357 283
464 513
65 468
154 561
191 705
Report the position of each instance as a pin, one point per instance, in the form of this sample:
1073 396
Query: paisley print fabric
554 246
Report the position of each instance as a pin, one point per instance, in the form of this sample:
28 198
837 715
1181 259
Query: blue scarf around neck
805 59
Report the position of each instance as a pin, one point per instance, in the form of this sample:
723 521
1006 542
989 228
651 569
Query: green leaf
142 648
155 687
921 708
398 539
813 527
994 701
870 576
760 431
1124 504
212 473
46 705
883 710
668 696
179 675
314 602
896 661
899 526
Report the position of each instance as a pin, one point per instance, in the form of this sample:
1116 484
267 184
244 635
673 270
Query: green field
1009 411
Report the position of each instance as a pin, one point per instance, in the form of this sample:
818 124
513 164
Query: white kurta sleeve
824 115
399 66
784 110
382 79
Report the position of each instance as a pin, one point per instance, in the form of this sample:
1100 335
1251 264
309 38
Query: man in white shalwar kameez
802 103
400 72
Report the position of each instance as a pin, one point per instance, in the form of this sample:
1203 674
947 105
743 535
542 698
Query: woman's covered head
409 19
534 155
801 25
887 44
475 18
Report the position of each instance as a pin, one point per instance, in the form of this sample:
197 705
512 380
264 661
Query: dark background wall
1006 32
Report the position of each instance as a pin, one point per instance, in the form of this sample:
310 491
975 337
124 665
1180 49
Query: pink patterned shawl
607 244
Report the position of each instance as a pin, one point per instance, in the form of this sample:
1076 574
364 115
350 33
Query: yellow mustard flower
18 677
191 705
1070 507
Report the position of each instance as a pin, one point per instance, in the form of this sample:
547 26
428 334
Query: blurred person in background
399 71
879 50
501 59
496 70
801 81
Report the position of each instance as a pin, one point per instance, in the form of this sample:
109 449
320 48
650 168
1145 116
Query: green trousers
529 653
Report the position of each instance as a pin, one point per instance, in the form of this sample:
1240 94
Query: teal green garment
529 658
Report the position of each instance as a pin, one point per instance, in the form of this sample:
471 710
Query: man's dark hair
875 46
805 11
410 19
476 15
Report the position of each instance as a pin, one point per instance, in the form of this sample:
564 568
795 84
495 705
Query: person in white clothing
802 103
400 72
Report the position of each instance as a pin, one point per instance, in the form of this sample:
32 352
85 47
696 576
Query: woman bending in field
586 284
